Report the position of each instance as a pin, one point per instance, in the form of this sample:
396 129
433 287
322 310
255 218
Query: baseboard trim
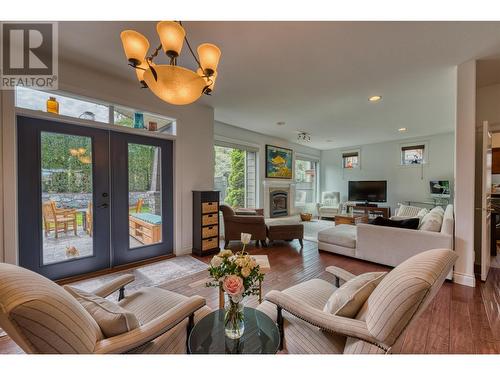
464 279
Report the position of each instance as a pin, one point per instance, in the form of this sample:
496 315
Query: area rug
155 274
311 228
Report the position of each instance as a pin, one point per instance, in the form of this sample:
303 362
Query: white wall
193 145
465 133
247 137
381 161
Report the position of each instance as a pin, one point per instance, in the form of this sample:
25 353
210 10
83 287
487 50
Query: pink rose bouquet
239 276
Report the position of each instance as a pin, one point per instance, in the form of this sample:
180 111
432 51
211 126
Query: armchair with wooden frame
42 317
58 219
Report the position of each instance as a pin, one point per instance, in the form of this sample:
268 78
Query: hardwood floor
459 320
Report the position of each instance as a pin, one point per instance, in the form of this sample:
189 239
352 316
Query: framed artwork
279 162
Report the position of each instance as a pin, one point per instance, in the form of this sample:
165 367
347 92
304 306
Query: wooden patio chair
57 220
138 206
89 219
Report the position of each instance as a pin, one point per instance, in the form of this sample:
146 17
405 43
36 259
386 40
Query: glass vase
234 319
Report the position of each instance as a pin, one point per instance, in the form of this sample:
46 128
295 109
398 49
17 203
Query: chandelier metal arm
191 50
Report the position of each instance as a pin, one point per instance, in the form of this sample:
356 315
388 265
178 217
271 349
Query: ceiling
316 76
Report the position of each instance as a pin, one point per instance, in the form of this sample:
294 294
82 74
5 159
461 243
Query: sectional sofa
386 245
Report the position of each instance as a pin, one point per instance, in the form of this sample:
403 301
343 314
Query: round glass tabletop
261 335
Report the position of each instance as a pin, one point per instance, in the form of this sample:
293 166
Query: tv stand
366 204
371 210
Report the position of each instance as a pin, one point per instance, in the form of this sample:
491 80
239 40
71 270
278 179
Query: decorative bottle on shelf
138 120
52 105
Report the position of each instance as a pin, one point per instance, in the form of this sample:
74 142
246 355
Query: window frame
316 186
247 147
414 146
350 153
111 110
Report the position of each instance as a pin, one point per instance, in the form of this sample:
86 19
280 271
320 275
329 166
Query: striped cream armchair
43 317
389 307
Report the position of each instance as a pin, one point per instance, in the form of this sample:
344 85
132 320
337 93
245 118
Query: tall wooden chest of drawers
205 222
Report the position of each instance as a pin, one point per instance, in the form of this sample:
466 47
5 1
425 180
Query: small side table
350 219
263 262
261 335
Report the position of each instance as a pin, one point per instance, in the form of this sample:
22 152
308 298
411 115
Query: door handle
104 205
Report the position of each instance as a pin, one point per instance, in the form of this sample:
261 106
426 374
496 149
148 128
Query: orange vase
52 105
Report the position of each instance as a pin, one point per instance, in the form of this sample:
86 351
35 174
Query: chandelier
303 137
170 82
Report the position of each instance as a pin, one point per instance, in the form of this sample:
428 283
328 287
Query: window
125 117
235 175
306 178
411 155
92 110
350 159
68 106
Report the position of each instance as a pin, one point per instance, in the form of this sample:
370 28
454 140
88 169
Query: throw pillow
112 318
432 222
408 211
399 223
438 210
347 300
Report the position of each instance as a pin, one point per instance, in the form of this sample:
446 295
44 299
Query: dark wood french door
90 199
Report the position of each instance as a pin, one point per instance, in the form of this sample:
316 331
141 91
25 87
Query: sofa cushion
411 223
111 318
347 300
340 235
432 222
448 221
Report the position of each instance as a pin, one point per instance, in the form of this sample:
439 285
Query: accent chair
42 317
246 221
377 326
330 204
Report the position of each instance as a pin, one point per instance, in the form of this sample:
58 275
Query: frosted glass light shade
175 85
171 36
209 81
209 57
135 46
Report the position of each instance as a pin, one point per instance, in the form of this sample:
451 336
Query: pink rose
233 285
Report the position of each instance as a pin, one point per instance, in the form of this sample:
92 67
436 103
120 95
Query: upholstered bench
284 230
340 239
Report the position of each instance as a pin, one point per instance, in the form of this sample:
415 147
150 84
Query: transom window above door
95 110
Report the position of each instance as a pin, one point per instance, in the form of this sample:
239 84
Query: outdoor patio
54 250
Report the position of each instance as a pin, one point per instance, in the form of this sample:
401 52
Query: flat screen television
368 191
440 188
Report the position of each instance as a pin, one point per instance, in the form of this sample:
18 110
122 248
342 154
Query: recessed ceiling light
375 98
402 130
280 123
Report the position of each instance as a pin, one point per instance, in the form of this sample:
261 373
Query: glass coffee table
261 335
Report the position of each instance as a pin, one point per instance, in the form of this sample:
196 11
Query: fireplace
278 200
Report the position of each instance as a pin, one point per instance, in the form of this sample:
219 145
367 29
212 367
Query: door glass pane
66 162
144 187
